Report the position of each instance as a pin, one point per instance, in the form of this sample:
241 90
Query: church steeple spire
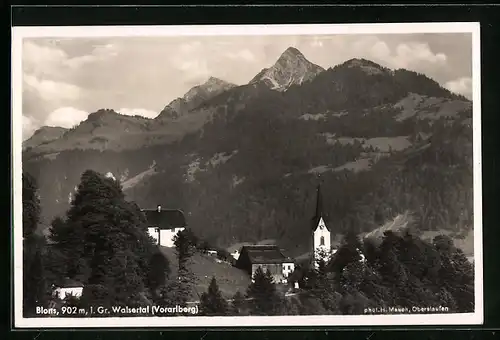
319 214
319 203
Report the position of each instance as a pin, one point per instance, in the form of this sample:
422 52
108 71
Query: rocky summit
291 68
194 97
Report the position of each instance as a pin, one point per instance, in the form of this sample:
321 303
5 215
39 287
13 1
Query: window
322 241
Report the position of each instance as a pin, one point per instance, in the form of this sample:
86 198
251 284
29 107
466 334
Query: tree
237 304
192 238
175 291
184 248
264 299
105 240
456 274
34 282
159 269
96 295
182 285
59 233
31 205
322 286
348 252
212 302
35 291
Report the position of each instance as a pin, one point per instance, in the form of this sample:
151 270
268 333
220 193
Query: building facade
269 258
321 234
164 224
66 288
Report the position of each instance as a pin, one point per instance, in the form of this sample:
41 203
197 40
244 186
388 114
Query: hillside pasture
204 267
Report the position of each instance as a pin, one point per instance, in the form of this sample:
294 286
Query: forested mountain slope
379 141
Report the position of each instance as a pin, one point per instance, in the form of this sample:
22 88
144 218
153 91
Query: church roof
319 213
261 254
165 218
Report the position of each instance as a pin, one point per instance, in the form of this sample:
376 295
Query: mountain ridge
194 97
43 135
208 97
381 143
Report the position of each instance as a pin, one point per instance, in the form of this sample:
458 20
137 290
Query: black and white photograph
247 176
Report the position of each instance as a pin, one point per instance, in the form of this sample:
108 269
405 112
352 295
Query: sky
66 79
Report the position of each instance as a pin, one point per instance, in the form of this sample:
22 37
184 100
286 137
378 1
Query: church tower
321 240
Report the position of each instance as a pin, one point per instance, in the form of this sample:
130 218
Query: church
270 257
321 233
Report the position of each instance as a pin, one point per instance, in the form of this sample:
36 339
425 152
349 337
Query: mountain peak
43 135
195 97
291 68
101 114
214 80
207 90
292 52
367 66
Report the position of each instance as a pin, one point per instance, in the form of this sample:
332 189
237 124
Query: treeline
274 197
401 275
265 192
103 243
58 175
401 271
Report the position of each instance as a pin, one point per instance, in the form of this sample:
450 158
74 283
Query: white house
235 254
164 224
288 268
68 288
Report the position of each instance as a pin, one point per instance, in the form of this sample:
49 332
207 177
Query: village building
212 252
67 288
321 235
269 258
235 254
164 224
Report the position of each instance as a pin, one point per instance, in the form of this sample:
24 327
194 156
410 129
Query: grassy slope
229 278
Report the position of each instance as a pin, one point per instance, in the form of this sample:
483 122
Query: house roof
260 254
68 283
165 218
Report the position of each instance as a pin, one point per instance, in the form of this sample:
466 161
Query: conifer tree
34 281
159 269
264 299
212 302
323 287
168 294
348 252
456 274
31 205
35 286
185 280
106 242
184 248
237 304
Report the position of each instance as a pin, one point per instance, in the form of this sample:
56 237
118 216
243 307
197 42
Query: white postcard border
19 33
